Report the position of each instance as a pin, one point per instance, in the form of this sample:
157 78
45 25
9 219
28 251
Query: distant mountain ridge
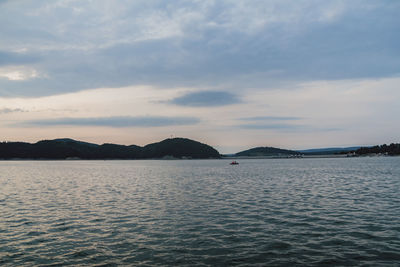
66 148
265 151
328 150
272 151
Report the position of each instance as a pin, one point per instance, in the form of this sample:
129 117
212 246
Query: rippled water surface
199 213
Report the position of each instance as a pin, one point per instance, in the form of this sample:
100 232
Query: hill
180 148
392 150
329 150
265 151
69 148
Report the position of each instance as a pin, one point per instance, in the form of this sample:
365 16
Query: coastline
222 158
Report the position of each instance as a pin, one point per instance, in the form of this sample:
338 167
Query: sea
262 212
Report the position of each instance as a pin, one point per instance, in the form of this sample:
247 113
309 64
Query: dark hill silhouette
392 150
68 148
329 150
178 148
69 140
265 151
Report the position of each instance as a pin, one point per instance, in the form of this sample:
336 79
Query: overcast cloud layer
64 46
247 70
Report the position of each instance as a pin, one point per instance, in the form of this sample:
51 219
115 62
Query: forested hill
70 149
265 151
392 149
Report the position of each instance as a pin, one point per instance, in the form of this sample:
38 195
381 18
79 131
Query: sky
233 74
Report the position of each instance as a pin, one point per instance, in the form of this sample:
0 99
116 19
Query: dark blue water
281 212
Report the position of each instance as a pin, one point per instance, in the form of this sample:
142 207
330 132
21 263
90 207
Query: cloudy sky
233 74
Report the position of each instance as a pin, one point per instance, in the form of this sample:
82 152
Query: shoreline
222 158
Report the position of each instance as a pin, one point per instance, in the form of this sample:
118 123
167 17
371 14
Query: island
267 152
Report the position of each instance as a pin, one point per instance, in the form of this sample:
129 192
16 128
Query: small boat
234 163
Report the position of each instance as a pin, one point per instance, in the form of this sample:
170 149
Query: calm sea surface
200 212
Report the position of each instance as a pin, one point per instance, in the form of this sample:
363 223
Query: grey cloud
117 122
10 110
286 127
206 99
11 58
271 118
199 44
278 126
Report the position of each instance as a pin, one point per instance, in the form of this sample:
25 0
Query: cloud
10 110
206 99
285 127
208 44
117 122
18 73
12 58
273 126
271 118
